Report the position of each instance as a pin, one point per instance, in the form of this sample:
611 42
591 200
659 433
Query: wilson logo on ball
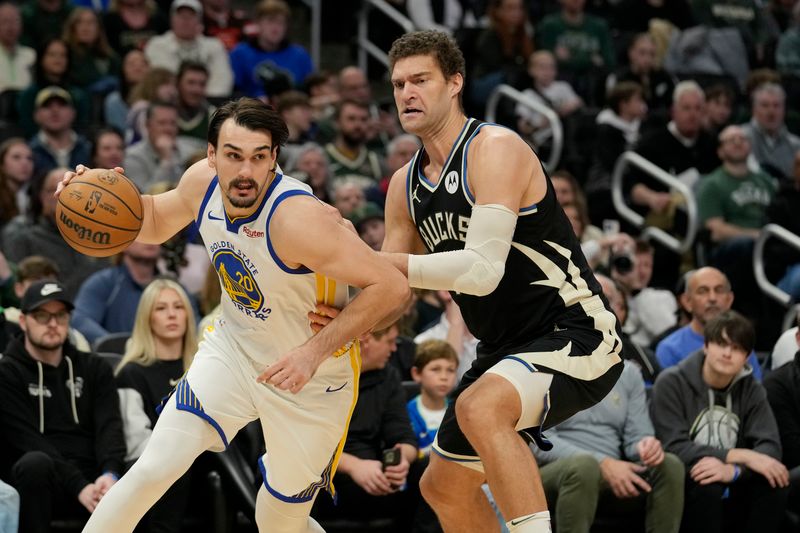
84 233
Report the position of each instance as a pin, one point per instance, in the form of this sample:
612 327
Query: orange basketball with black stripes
99 213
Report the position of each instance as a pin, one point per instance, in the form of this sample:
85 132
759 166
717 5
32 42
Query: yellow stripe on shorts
355 364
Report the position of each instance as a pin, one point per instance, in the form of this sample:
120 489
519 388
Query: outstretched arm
304 232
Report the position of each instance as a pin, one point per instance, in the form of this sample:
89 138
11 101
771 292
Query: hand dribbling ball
99 213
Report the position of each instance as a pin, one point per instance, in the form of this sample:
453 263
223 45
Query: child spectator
435 370
546 90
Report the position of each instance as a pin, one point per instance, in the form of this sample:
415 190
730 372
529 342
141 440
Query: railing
367 47
628 159
521 98
766 286
316 29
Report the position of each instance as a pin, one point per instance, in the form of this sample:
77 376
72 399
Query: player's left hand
292 371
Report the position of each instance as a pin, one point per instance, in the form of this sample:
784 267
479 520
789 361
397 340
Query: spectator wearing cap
369 223
60 426
269 56
185 42
57 144
18 58
30 270
53 66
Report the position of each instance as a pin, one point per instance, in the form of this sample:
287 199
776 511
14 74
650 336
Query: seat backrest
411 388
112 358
113 342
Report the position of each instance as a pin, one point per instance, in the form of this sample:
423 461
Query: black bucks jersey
547 283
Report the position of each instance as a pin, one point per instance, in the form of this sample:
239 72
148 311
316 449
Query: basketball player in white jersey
278 252
474 213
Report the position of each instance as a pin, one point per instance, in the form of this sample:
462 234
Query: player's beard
243 203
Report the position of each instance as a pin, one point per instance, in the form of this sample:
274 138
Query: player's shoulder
494 136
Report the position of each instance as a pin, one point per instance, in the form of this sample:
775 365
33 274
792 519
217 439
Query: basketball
99 213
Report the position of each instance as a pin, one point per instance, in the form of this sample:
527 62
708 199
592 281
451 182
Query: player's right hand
80 169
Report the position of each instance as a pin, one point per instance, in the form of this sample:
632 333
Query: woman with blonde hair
159 351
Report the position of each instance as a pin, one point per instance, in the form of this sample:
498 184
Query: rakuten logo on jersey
252 234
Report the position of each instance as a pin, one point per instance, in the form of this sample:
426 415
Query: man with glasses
61 435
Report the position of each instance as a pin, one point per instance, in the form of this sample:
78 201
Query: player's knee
480 412
434 492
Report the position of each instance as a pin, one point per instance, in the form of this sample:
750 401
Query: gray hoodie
694 421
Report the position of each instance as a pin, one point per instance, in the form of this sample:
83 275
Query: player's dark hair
252 114
430 42
431 350
731 327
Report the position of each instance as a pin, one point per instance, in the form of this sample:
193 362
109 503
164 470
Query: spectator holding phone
372 480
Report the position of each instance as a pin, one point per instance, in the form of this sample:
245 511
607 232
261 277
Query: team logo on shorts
238 278
451 181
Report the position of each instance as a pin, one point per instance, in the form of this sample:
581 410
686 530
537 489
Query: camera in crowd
622 262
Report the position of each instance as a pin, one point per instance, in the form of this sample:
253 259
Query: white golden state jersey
264 302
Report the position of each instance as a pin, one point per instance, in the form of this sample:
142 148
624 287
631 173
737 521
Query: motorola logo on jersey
451 182
238 275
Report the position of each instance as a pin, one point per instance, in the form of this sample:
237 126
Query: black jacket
380 419
86 439
783 392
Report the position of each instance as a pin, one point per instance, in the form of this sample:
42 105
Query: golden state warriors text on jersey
238 276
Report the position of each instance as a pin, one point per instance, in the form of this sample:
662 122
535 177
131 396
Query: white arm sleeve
479 267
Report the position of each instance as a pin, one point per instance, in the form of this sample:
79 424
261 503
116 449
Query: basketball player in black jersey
474 213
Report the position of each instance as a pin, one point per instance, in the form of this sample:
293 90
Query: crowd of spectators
704 89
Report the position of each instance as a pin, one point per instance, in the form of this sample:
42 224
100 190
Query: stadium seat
113 342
